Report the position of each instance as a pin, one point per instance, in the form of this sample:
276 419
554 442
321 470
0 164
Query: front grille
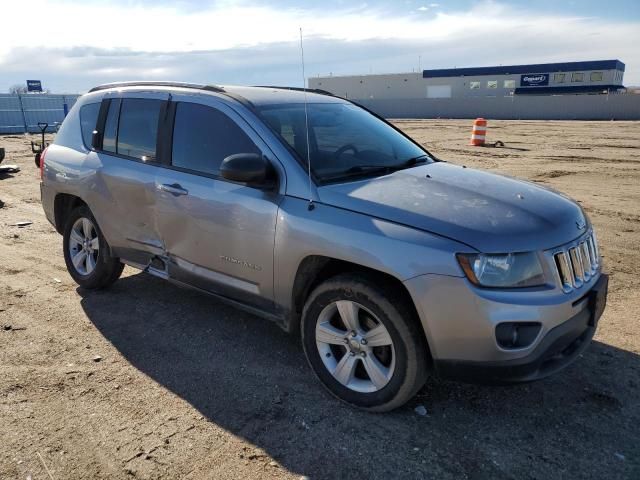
577 262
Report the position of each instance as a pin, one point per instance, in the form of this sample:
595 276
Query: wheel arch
63 205
315 269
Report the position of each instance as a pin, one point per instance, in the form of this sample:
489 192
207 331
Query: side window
138 128
88 120
204 136
596 76
577 77
111 127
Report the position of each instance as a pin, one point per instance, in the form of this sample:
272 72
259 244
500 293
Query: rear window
138 128
204 136
88 120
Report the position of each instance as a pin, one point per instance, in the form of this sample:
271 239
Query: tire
98 269
388 375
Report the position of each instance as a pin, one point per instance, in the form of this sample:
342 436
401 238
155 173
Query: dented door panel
219 236
124 183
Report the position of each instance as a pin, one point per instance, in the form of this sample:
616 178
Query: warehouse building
545 78
551 90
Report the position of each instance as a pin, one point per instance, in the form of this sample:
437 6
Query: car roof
257 96
277 95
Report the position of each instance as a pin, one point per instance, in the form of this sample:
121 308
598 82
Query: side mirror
95 140
250 168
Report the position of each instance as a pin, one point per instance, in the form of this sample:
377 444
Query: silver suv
313 212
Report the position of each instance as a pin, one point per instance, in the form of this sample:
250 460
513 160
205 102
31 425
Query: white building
547 78
446 92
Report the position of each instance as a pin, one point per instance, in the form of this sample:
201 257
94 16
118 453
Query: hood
489 212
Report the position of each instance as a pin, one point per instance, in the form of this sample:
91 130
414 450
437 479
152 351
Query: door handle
174 189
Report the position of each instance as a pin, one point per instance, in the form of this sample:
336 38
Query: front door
219 235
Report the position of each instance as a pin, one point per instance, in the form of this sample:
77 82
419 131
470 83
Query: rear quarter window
111 126
88 120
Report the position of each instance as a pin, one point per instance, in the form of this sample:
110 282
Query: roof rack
195 86
298 89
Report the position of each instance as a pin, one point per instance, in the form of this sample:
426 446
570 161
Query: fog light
517 334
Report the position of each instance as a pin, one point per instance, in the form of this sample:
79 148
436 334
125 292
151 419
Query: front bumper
460 327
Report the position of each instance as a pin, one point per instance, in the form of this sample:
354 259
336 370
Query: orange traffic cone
479 132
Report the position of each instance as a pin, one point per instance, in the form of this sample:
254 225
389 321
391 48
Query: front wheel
86 252
364 344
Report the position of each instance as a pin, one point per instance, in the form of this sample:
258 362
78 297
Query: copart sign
534 80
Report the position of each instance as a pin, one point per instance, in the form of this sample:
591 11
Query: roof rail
151 83
298 89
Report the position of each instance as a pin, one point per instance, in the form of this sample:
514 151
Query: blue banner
34 86
534 80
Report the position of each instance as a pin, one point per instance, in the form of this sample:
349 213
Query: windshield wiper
359 170
390 168
414 161
368 168
376 169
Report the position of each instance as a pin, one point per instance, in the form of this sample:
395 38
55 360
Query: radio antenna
306 123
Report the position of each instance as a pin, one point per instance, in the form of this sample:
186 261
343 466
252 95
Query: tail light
42 155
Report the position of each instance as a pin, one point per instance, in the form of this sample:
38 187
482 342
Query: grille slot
586 260
576 263
592 251
564 270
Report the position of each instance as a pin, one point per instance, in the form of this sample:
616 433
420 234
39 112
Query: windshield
345 140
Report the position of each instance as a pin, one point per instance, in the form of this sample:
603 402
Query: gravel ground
146 380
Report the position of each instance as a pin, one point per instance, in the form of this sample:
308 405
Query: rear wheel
86 252
363 343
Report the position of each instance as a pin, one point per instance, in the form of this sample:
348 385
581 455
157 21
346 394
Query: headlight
509 270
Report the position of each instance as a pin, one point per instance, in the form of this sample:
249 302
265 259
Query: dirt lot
186 387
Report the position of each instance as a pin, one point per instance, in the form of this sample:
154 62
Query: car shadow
247 376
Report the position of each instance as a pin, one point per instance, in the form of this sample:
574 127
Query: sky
72 45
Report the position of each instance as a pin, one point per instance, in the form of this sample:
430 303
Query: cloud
258 44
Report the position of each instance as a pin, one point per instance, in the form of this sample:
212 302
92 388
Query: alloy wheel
355 346
84 246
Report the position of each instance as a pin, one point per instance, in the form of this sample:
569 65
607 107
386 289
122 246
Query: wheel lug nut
363 354
352 354
353 333
363 341
346 340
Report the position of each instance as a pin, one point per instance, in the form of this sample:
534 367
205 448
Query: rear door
129 164
219 234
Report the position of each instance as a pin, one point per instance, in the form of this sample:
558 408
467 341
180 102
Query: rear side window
204 136
138 128
111 127
88 120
